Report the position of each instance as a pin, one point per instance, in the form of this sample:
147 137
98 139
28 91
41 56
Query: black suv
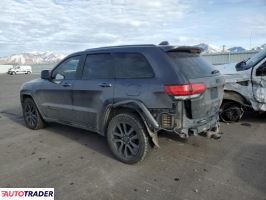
128 94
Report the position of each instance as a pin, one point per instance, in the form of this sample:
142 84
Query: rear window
191 65
132 65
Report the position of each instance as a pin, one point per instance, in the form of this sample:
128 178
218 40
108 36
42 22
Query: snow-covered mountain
263 46
209 48
32 58
260 47
236 49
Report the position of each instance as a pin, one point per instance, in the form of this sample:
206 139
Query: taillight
185 89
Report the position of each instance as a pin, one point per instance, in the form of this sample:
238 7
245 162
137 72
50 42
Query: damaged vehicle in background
245 87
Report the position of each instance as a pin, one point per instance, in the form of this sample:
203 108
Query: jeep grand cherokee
128 94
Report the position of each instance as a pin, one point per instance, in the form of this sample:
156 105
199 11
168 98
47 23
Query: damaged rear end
196 102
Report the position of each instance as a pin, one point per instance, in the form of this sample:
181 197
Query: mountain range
32 58
236 49
209 48
50 57
260 47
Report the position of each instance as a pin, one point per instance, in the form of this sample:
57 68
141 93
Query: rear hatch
196 70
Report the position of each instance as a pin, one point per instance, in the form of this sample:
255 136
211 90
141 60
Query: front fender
235 96
25 89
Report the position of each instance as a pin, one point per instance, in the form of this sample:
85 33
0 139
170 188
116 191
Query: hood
231 74
227 69
29 85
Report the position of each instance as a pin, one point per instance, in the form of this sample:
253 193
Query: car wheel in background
231 112
127 138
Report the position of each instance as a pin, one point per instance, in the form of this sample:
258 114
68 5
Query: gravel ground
79 165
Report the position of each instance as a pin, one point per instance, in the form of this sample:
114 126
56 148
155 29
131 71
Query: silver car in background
245 87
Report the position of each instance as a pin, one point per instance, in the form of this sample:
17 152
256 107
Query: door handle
105 85
67 84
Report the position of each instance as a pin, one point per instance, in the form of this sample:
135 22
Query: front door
19 70
94 92
259 84
55 97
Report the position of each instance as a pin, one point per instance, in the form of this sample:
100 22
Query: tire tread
141 128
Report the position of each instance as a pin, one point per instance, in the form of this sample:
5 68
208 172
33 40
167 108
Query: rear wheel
127 138
231 112
32 117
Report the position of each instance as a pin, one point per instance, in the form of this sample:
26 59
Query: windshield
244 65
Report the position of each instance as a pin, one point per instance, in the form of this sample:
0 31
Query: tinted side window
98 66
261 71
67 69
132 65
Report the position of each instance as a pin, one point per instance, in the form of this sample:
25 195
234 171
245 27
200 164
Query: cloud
70 25
31 24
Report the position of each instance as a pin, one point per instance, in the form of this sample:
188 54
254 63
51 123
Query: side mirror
239 66
46 74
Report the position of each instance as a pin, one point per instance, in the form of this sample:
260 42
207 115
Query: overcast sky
71 25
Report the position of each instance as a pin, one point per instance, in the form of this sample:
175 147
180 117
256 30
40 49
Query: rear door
196 70
134 78
55 96
94 92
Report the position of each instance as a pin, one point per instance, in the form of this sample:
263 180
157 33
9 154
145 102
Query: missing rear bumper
203 127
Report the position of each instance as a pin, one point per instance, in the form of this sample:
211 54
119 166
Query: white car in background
245 87
20 69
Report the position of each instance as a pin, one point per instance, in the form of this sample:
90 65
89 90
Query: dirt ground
79 165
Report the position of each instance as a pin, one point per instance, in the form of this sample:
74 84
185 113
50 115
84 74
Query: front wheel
127 138
32 117
231 112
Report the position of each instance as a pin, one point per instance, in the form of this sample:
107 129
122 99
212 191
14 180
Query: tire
127 138
31 114
231 112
